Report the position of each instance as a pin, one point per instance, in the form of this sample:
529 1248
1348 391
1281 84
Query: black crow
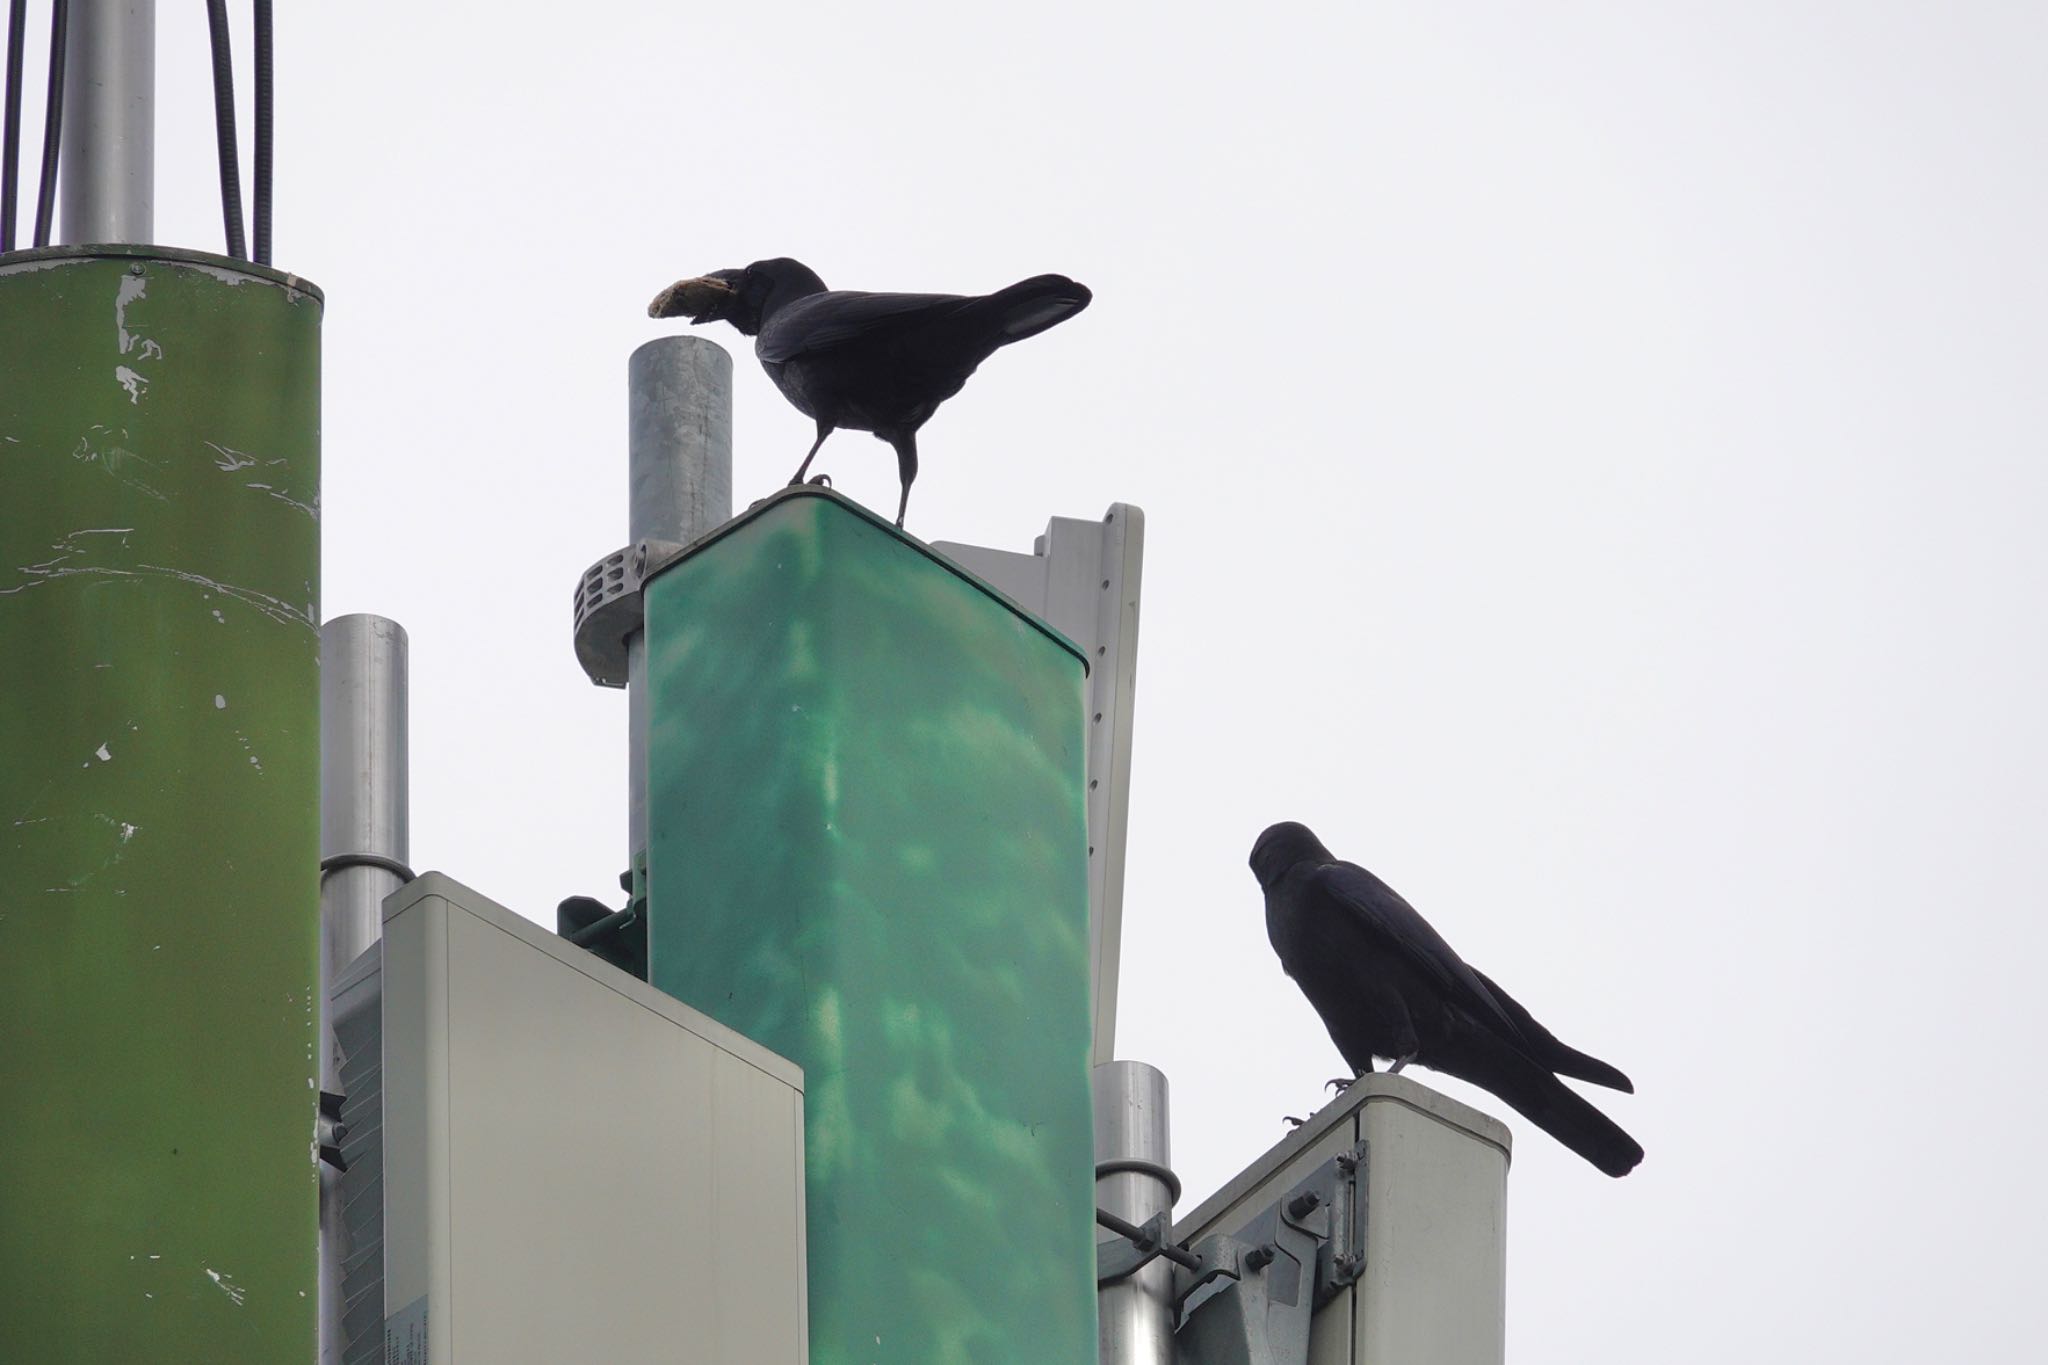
1387 985
872 362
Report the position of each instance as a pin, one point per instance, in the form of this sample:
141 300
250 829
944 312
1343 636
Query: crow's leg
1400 1062
824 430
906 469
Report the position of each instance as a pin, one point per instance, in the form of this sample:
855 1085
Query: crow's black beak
700 300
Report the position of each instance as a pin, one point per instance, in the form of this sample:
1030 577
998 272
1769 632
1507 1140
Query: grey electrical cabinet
1406 1241
552 1161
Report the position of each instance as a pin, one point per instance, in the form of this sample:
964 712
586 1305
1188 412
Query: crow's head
1281 847
744 298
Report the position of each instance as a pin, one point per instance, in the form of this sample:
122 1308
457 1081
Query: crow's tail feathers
1545 1048
1030 306
1550 1104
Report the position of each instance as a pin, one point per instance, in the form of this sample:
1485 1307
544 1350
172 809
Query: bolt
1258 1258
1303 1204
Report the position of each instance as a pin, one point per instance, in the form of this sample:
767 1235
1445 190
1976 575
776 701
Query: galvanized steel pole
109 154
363 779
679 452
364 813
1134 1181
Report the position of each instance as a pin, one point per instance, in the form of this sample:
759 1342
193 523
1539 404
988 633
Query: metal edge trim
889 528
459 897
1377 1087
48 256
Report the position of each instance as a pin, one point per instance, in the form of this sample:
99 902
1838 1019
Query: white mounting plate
1083 579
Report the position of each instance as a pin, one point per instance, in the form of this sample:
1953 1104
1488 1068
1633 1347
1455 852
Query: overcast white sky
1593 461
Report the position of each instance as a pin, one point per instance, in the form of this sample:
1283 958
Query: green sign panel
867 850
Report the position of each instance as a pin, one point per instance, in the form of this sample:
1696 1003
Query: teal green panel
159 808
867 850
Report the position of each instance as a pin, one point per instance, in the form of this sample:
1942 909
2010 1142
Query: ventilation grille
359 1036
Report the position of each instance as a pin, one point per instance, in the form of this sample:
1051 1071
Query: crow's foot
822 481
1291 1121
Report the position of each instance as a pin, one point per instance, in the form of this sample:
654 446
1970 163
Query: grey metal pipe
363 778
679 459
109 155
364 810
1131 1130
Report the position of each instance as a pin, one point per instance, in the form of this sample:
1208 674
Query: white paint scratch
103 755
233 1291
231 459
133 287
117 460
220 703
136 384
71 550
128 831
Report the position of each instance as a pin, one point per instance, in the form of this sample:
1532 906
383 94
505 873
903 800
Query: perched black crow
1387 985
873 362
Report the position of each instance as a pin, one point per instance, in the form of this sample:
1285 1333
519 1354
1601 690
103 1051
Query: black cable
224 127
10 138
53 121
264 101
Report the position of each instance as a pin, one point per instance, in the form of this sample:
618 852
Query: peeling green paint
868 852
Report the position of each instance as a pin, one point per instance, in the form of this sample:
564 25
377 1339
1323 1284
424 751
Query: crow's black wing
823 322
1381 911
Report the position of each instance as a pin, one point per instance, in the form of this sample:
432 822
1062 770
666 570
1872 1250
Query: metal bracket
1285 1262
329 1132
1141 1244
607 607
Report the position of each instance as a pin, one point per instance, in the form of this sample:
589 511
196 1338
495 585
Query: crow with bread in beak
880 363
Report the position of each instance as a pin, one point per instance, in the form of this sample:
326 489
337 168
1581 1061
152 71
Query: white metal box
1434 1286
575 1167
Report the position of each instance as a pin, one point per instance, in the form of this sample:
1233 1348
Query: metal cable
264 101
10 137
224 127
53 121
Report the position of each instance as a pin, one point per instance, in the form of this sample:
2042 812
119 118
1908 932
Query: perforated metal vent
359 1036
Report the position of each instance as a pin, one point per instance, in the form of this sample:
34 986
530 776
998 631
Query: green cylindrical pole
159 807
